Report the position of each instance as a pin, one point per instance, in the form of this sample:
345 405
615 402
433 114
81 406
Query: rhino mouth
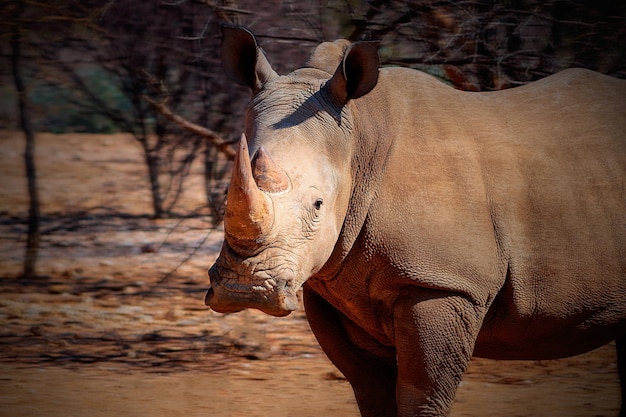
273 296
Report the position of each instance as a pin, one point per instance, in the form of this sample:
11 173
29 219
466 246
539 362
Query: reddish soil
101 332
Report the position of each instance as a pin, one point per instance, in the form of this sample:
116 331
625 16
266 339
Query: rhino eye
318 204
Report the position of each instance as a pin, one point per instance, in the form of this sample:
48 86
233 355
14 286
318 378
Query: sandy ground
101 333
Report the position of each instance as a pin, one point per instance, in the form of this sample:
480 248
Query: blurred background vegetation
87 63
142 67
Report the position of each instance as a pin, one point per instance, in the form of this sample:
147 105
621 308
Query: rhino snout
272 296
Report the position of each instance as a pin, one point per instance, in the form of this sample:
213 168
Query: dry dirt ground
101 333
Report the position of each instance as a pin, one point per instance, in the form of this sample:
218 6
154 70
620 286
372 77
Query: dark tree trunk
210 161
32 241
153 163
155 187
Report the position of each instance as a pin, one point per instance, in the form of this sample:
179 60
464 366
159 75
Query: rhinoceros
425 225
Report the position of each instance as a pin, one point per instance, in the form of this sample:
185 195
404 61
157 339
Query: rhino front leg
435 332
369 366
620 344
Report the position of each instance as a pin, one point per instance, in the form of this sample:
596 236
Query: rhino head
291 184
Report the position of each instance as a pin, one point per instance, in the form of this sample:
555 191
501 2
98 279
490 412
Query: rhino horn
248 215
267 175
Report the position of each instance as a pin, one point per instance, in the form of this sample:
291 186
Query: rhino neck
372 146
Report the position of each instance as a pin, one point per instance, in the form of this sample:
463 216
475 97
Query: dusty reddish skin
426 224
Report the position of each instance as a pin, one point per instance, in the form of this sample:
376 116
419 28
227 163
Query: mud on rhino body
425 224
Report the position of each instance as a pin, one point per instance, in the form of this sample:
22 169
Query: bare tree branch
222 145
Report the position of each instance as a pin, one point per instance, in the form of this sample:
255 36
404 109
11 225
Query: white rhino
426 224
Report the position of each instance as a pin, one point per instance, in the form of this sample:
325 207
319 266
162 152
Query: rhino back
561 214
513 198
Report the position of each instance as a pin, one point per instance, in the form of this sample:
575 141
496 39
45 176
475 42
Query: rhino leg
620 344
369 367
435 333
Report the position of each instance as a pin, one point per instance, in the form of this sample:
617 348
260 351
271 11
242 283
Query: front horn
248 216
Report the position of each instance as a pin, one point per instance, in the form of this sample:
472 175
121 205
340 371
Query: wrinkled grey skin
425 224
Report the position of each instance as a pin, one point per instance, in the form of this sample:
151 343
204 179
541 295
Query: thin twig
217 141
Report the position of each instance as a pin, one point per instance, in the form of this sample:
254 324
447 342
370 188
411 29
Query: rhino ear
243 60
357 74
